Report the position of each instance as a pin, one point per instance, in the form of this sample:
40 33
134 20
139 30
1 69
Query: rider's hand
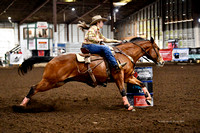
119 41
124 41
101 41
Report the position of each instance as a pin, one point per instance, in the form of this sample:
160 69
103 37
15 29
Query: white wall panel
7 40
75 31
61 33
81 35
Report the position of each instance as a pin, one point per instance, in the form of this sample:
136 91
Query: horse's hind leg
43 85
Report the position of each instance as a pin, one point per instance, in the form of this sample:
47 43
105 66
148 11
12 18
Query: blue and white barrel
135 94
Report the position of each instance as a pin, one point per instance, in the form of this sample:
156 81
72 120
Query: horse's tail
27 65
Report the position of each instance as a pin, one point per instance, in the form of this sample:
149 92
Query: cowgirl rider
92 40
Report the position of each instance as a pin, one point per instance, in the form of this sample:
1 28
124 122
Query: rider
93 39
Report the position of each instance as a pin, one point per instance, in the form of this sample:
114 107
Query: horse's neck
134 51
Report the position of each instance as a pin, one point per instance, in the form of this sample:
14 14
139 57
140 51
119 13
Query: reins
120 51
147 53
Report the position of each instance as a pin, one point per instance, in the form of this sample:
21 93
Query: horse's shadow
35 107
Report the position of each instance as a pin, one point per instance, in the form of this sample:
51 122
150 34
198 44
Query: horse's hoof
148 102
131 108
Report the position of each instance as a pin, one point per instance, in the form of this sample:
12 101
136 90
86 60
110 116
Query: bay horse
65 68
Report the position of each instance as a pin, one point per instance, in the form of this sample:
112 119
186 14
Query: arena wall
164 21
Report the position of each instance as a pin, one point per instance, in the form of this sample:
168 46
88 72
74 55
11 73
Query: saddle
87 58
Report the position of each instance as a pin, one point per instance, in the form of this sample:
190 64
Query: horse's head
141 48
154 54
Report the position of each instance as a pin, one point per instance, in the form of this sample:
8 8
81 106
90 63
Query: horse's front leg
119 79
133 80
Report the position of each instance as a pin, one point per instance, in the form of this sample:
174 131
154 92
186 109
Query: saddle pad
88 59
80 58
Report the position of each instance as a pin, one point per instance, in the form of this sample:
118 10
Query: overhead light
9 19
121 3
73 9
116 10
69 0
199 20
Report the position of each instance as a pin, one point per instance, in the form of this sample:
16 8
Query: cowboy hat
97 18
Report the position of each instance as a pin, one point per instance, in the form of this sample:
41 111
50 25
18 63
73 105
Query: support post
111 14
55 37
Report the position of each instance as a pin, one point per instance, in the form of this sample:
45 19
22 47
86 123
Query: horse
65 68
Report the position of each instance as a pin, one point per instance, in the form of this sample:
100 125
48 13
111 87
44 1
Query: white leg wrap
125 100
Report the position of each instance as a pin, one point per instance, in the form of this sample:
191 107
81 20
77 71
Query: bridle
147 54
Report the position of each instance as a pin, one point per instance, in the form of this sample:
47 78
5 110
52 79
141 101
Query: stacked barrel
135 94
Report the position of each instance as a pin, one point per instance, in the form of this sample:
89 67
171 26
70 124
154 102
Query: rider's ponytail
83 26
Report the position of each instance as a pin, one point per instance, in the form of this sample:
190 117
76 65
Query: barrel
135 94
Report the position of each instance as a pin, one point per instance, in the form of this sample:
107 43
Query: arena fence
191 55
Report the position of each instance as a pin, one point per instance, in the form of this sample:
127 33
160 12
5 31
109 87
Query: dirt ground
76 107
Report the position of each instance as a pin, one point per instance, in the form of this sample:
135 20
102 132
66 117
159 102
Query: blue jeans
102 49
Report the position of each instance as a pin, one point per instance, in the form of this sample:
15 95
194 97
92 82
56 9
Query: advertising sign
31 45
16 59
61 48
42 44
172 43
194 54
40 52
166 54
42 25
180 54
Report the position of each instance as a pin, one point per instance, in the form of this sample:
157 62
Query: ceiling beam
4 11
85 14
32 13
111 14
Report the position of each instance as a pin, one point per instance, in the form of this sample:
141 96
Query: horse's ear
152 40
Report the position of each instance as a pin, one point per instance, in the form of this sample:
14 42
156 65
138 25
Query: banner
42 44
40 52
194 54
166 54
16 58
31 44
180 54
42 25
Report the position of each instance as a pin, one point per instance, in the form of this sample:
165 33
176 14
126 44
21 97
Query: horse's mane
135 39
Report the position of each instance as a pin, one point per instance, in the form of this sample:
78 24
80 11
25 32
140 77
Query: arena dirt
76 107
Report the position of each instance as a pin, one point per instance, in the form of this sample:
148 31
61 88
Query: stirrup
120 65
